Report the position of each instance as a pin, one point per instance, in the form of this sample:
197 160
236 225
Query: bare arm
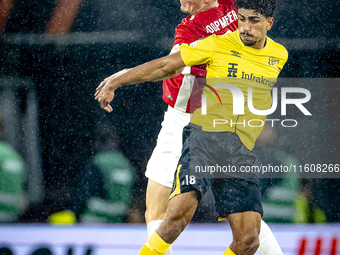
170 75
174 73
115 75
155 70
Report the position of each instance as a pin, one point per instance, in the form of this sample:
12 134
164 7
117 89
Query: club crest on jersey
273 61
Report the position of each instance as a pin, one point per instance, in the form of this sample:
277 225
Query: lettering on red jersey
221 23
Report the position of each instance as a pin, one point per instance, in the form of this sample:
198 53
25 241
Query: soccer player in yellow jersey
222 133
230 61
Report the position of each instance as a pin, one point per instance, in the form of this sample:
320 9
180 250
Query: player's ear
270 22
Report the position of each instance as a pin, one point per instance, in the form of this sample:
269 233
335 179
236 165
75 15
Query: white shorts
163 162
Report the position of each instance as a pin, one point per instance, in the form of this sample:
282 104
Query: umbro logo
236 53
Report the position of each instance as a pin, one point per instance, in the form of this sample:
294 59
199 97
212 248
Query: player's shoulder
277 49
228 2
228 37
186 32
227 6
226 40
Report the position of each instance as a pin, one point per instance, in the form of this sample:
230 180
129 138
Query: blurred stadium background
58 144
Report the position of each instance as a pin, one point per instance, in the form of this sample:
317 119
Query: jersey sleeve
285 58
184 34
282 56
198 52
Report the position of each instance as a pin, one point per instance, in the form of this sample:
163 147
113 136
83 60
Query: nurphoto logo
239 104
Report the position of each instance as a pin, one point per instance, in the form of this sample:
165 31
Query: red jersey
179 91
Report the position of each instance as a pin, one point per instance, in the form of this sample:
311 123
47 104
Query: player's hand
103 94
104 97
102 84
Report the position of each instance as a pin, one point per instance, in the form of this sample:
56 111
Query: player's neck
204 8
261 44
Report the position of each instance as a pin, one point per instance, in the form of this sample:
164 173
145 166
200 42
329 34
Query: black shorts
215 160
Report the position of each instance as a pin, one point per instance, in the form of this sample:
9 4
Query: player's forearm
155 70
170 75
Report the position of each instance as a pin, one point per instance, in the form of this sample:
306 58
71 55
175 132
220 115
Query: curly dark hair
264 7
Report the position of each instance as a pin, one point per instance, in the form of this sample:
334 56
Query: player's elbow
178 71
172 64
165 70
163 67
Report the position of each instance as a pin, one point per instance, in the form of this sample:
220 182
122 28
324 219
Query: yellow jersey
233 68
